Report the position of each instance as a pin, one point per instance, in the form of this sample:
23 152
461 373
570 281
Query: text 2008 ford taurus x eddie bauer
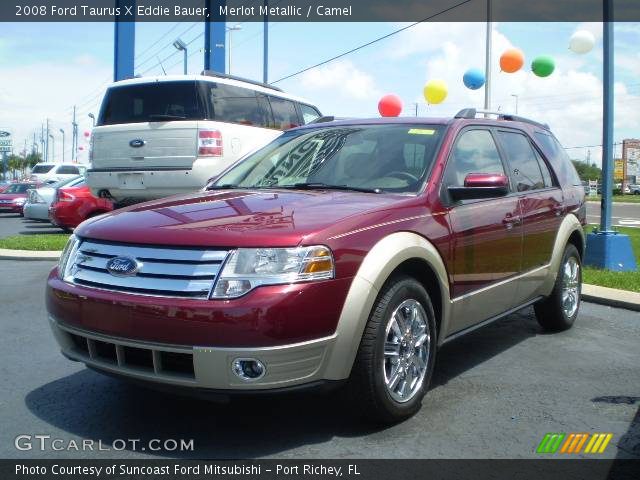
341 253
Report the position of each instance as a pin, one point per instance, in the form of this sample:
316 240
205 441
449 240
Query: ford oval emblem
123 266
137 143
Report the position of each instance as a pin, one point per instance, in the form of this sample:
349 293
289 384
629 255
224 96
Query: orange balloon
511 60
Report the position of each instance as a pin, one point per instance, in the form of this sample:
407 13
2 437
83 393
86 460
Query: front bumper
195 367
10 208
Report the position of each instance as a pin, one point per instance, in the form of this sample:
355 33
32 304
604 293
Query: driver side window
474 152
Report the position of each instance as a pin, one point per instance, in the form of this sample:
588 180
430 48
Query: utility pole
74 138
46 154
42 140
487 68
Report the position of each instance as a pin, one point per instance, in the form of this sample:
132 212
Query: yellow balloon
435 91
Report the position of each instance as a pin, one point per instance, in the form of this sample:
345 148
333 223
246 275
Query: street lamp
516 97
93 119
53 147
182 47
231 29
62 132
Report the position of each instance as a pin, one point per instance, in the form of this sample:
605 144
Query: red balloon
80 148
87 133
390 105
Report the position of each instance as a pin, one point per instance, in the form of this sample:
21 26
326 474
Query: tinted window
558 158
525 169
20 187
393 158
284 113
41 168
309 114
68 170
151 102
546 173
237 105
474 152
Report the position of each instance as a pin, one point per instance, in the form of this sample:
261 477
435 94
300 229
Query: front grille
152 360
163 271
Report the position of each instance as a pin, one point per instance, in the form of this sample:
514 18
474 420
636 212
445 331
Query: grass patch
620 280
41 242
617 198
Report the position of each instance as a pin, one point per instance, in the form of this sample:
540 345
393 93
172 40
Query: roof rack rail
211 73
472 112
324 119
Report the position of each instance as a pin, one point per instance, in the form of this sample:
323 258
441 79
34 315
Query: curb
590 293
611 297
28 255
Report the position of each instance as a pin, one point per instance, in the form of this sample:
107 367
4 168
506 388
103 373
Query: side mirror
481 185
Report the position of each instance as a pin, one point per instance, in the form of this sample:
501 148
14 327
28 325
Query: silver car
39 200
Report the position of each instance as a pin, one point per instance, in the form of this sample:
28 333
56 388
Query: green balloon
543 66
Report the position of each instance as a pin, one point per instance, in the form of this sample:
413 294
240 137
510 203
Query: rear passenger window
237 105
284 111
558 158
309 114
474 152
546 173
68 170
525 169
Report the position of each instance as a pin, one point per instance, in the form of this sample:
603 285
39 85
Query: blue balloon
473 78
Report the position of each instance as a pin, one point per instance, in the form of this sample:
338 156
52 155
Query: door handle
558 210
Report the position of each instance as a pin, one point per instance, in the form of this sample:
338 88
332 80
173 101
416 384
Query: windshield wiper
161 116
224 186
326 186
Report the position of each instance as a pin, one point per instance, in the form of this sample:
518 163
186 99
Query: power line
372 42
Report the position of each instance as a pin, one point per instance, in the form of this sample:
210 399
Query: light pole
182 47
516 97
487 68
230 30
93 119
53 147
62 132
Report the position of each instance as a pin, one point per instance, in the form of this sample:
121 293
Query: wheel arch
405 252
570 231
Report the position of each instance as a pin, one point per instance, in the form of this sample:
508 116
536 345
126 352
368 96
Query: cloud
341 78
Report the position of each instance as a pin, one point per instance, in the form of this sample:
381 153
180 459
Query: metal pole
62 132
185 60
516 97
74 137
46 152
229 48
607 109
265 47
53 148
487 68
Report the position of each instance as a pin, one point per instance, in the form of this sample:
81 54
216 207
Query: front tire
396 358
559 310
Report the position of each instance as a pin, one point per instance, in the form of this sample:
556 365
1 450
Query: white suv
162 136
55 172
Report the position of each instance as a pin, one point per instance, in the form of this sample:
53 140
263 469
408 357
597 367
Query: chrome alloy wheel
406 350
570 286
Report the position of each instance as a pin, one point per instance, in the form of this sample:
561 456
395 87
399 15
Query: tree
586 171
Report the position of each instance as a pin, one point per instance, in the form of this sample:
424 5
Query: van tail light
209 143
65 196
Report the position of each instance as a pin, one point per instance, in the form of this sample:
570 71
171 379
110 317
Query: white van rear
161 136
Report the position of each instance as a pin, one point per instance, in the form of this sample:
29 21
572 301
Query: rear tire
396 357
559 310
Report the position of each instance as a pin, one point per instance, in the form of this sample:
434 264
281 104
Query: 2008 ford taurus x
343 252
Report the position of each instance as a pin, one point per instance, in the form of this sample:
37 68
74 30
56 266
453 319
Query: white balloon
582 41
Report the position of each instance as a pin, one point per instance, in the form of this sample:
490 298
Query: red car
73 205
14 196
341 253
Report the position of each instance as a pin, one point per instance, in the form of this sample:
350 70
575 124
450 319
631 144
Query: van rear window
152 102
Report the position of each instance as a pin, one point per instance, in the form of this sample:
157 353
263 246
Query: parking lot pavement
14 224
496 393
622 215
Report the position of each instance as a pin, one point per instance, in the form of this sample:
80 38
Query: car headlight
19 201
69 252
248 268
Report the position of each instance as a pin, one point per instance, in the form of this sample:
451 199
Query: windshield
387 158
20 187
41 168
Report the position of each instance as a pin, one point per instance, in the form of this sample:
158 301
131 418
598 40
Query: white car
55 172
161 136
39 199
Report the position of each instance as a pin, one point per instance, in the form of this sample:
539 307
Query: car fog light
248 369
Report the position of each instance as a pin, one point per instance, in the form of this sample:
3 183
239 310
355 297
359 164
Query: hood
240 218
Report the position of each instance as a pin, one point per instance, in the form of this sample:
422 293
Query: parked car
4 185
54 172
341 253
13 198
161 136
634 189
39 200
72 205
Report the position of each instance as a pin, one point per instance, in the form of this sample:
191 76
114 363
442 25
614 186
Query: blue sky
47 68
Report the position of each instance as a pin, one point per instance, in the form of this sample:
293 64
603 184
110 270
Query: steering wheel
403 176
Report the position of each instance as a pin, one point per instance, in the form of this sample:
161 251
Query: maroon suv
346 251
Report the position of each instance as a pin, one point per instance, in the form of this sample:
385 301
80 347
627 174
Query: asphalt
14 224
626 215
495 394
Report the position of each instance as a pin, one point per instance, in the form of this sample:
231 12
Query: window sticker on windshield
421 131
